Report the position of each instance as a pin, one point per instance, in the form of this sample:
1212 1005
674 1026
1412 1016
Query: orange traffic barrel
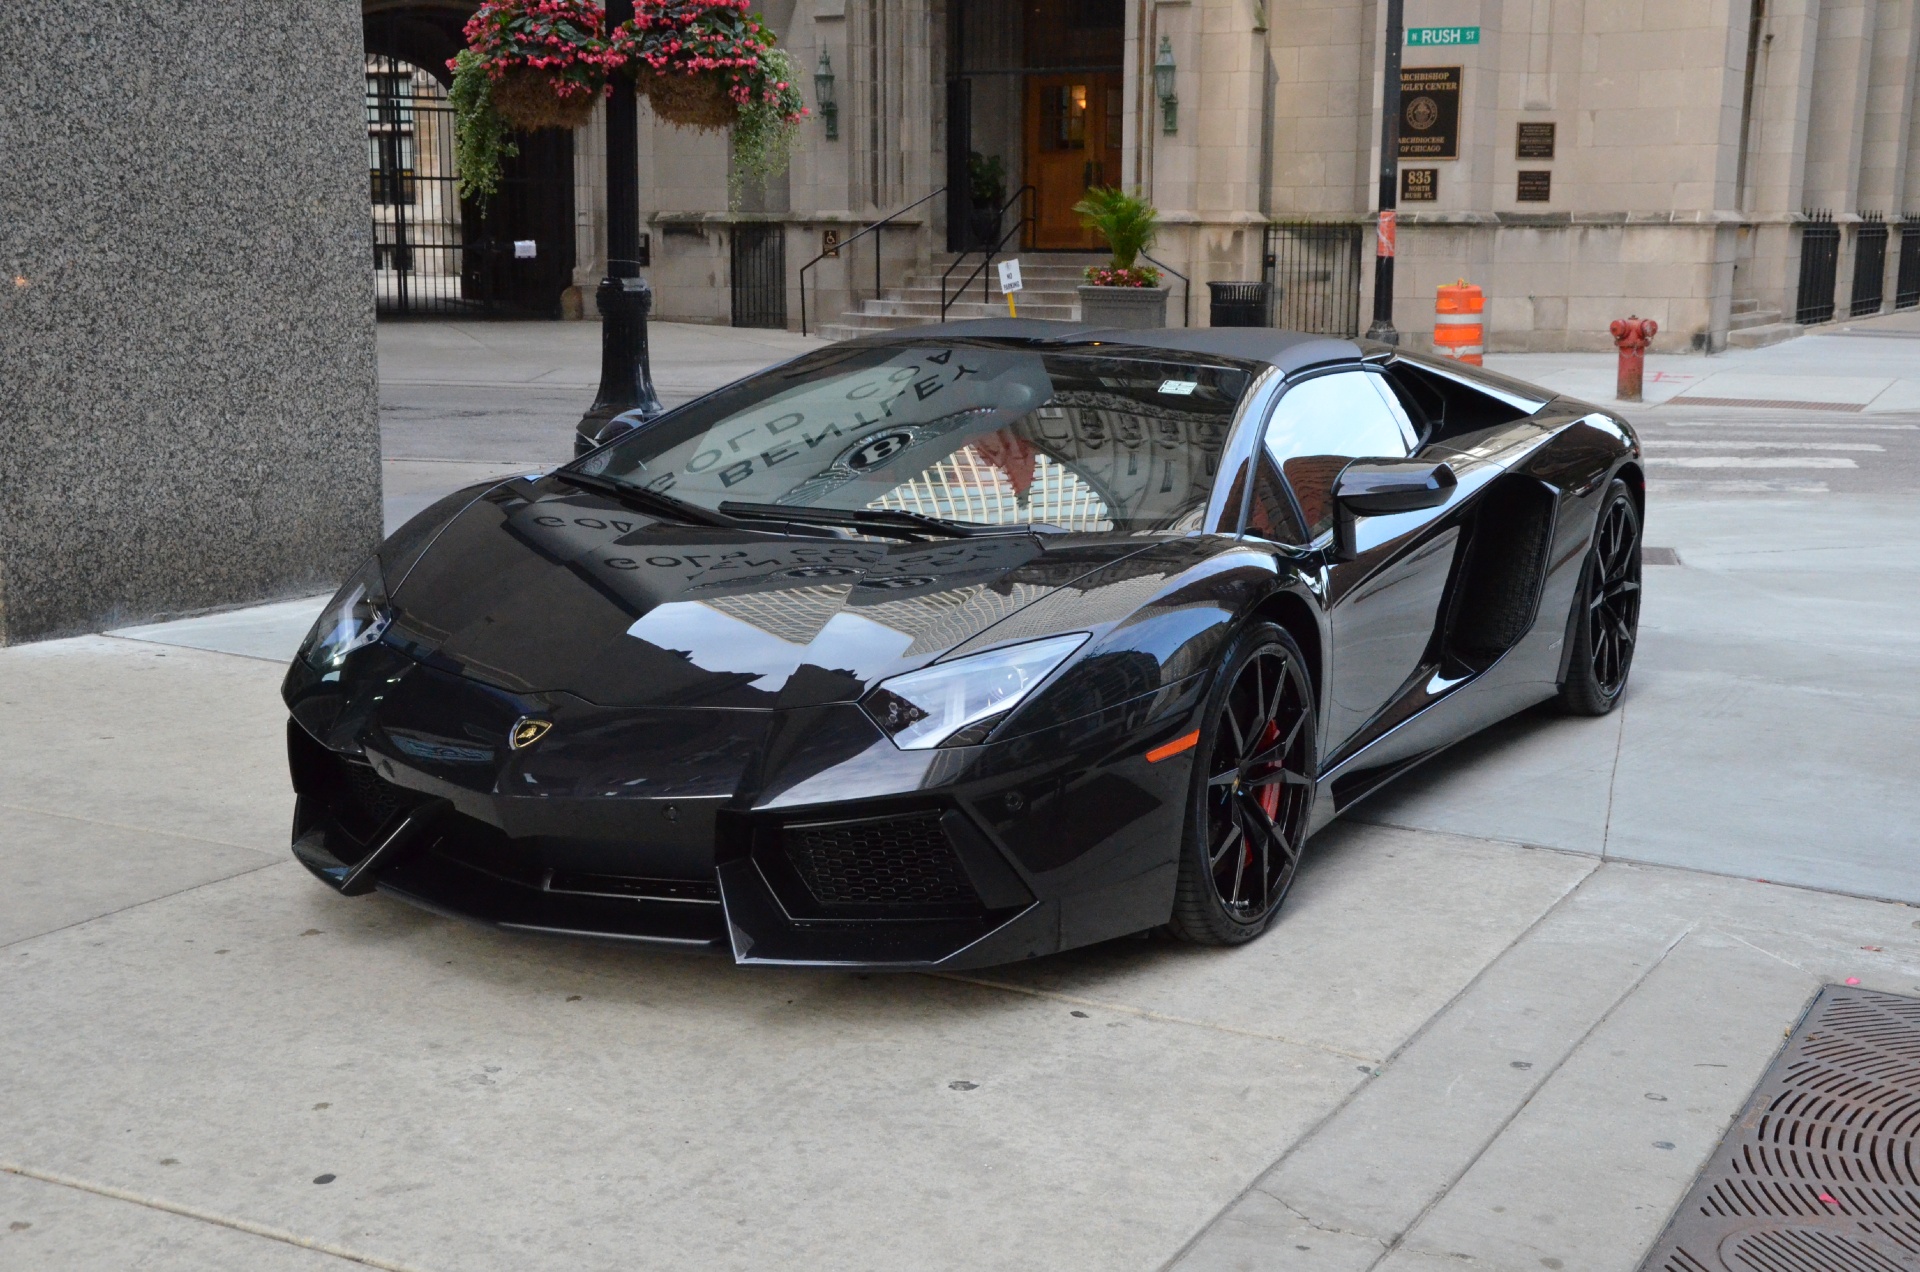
1459 323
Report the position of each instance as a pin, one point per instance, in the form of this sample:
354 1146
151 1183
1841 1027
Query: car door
1384 600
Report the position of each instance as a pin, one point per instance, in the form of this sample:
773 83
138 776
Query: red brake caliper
1268 797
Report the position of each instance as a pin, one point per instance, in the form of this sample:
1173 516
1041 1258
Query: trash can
1238 304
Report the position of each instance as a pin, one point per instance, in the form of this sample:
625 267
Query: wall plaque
1536 187
1419 185
1536 140
1430 112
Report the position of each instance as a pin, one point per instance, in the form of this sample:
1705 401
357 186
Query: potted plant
1121 293
987 184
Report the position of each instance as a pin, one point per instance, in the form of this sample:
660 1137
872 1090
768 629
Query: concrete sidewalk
1869 365
1506 1015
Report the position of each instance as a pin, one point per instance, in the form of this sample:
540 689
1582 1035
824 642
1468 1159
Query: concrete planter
1128 307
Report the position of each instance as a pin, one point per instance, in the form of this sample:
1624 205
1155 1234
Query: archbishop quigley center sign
1430 112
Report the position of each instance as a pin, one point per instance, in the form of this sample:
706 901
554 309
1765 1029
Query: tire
1605 624
1252 798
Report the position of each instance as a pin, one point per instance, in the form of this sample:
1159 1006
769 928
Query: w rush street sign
1438 37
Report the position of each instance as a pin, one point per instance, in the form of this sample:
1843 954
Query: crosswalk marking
1730 444
1752 461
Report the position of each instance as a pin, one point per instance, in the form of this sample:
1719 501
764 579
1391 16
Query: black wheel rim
1258 785
1613 604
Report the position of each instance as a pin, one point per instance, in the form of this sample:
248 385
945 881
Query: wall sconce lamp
1163 69
823 96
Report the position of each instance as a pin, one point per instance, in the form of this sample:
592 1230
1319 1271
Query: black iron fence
758 254
418 249
1906 287
1312 271
1869 266
1819 269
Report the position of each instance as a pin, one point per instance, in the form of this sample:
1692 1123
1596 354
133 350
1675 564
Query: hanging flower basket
529 100
546 61
691 101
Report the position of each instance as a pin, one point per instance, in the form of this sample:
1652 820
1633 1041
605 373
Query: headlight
353 620
958 702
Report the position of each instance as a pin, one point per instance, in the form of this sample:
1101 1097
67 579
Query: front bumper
805 838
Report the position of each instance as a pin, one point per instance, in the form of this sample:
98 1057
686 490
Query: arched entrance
1034 98
435 253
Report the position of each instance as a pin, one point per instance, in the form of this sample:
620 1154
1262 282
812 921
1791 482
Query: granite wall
188 412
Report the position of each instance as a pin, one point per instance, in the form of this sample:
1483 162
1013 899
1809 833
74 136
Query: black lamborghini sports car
962 645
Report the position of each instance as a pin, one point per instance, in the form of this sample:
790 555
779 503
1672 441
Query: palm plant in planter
1121 293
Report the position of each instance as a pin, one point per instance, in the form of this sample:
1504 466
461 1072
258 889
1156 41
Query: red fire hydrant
1631 336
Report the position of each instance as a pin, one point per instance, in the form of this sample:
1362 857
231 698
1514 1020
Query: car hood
545 588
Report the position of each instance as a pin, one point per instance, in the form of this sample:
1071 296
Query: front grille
372 800
885 861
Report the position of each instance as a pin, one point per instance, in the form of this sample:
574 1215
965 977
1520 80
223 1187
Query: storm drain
1822 1171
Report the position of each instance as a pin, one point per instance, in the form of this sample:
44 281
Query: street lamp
823 96
626 380
1387 235
1163 69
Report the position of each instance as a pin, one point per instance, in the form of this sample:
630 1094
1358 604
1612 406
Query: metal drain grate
1822 1171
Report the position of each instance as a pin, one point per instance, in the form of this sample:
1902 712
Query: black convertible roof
1288 350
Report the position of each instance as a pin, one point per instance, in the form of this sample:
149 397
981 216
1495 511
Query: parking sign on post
1010 282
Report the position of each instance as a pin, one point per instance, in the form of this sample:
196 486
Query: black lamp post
1387 237
626 380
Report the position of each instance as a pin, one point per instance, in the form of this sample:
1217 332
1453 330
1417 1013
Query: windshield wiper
876 519
639 497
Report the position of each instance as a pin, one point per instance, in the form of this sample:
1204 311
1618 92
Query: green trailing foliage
1127 221
769 120
480 142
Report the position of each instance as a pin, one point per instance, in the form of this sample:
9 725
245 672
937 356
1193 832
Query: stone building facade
1728 167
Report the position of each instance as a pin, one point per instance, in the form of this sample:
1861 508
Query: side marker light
1174 747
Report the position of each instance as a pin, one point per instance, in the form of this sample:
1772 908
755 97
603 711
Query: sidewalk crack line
207 1216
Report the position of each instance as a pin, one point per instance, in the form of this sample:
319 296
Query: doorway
1073 144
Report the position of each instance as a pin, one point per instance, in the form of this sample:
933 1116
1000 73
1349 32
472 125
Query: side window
1323 423
1271 514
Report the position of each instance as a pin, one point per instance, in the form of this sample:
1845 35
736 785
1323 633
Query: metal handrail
1027 218
882 223
1186 291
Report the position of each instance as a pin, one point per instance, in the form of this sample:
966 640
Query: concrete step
1031 296
1751 318
929 310
1746 307
1761 337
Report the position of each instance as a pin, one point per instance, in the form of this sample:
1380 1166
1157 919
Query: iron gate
759 269
1906 288
417 241
1869 267
1313 276
1819 269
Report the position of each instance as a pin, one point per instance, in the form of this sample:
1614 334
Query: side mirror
1377 487
1382 487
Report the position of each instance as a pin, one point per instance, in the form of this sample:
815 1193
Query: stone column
189 417
1889 126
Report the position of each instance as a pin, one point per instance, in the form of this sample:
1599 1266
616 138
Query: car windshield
975 433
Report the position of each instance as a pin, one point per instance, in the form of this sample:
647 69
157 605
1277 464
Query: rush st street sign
1442 37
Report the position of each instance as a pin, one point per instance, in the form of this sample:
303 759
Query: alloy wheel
1258 787
1613 603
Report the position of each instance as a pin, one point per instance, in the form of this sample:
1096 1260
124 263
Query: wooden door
1073 142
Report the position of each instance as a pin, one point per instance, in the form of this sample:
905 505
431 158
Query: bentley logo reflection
526 731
